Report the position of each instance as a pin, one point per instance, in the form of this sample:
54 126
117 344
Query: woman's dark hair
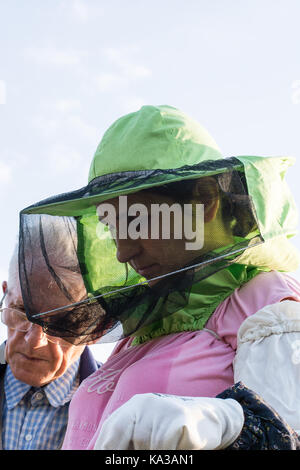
237 208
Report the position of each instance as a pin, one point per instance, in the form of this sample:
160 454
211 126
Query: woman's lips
148 271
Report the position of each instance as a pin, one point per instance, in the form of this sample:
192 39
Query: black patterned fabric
263 428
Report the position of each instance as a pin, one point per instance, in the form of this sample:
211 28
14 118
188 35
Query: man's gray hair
61 247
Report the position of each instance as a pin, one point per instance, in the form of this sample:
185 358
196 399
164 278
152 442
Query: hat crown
155 137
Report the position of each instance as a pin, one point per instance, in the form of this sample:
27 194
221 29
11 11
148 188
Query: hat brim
82 201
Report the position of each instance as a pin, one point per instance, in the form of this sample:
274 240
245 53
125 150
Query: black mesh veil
74 286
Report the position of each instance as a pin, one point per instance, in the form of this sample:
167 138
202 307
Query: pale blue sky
69 68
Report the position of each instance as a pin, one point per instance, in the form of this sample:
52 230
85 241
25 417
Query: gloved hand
167 422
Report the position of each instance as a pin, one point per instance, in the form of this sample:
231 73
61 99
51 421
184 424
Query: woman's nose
127 249
35 336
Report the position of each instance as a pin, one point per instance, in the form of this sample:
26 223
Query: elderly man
39 373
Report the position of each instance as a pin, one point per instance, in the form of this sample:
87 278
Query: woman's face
161 248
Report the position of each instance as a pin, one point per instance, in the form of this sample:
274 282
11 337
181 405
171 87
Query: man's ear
206 192
4 286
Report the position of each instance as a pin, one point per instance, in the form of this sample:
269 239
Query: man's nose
35 336
127 249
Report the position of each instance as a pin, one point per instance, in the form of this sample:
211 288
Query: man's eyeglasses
16 320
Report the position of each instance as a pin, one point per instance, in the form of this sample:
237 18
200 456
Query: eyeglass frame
61 341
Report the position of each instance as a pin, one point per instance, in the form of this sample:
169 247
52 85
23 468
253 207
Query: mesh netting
75 286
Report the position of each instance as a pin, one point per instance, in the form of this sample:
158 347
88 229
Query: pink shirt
192 363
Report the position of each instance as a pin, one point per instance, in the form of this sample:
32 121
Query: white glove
167 422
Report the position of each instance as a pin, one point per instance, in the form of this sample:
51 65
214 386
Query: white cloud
131 104
296 92
5 172
138 71
67 105
81 11
12 163
46 127
108 81
126 69
65 125
80 127
63 158
53 56
2 92
127 66
3 277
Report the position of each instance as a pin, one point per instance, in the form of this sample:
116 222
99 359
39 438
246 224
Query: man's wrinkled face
33 359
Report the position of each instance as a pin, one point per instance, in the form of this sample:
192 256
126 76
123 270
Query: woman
194 249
